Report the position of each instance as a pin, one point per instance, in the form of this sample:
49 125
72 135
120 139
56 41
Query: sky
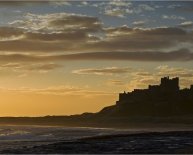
70 57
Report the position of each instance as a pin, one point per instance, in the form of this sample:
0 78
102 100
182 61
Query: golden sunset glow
71 57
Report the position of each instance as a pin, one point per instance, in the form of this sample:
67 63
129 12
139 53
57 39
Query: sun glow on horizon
64 58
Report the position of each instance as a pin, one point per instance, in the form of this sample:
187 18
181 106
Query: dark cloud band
180 55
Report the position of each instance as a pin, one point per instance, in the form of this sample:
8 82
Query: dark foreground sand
152 142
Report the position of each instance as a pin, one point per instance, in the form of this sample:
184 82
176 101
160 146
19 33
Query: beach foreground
150 142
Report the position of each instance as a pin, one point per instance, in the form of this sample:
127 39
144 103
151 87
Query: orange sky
70 57
22 104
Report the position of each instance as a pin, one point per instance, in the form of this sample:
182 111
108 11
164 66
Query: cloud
141 79
186 24
188 8
116 83
43 67
38 32
103 71
174 6
173 17
179 55
58 22
116 12
62 28
58 90
185 74
85 23
173 72
17 46
118 8
141 82
126 38
143 7
16 3
142 73
138 23
115 39
125 30
10 33
11 65
28 67
84 3
120 3
72 33
67 36
60 3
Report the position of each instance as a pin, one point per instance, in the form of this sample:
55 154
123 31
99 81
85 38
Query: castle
157 101
167 90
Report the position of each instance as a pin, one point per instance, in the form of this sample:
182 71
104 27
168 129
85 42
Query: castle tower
169 85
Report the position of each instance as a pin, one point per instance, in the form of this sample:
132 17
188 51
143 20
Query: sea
13 137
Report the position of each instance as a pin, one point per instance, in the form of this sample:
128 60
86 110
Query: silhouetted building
169 85
163 100
167 90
